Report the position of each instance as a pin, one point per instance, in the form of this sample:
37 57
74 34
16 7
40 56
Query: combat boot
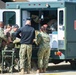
22 71
40 71
44 70
28 71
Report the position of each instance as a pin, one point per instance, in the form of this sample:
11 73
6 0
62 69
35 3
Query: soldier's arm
17 34
3 36
39 38
17 40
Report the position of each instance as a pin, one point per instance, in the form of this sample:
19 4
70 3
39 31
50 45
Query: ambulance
61 19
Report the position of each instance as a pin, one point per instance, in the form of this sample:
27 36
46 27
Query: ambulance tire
73 65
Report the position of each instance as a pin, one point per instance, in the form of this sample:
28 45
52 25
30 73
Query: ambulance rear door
61 28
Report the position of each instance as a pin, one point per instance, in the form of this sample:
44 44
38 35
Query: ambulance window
61 17
9 17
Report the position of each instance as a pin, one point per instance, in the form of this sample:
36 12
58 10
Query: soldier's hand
34 40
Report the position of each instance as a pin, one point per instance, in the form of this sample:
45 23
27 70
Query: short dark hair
16 26
43 28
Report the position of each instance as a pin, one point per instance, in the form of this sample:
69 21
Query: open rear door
10 16
61 28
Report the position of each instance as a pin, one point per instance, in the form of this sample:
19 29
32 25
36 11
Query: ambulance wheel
73 65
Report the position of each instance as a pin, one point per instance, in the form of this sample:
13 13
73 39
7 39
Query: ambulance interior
49 17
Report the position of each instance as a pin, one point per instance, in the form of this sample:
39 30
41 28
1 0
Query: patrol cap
16 26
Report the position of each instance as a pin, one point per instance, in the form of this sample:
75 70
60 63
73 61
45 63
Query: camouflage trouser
43 57
25 54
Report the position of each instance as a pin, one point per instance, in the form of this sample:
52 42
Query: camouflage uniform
25 54
2 37
43 40
16 42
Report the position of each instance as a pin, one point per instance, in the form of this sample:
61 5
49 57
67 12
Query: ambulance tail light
58 53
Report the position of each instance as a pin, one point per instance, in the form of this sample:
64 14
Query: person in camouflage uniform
3 41
43 40
14 39
3 38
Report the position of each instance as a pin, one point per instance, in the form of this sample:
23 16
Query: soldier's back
45 40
